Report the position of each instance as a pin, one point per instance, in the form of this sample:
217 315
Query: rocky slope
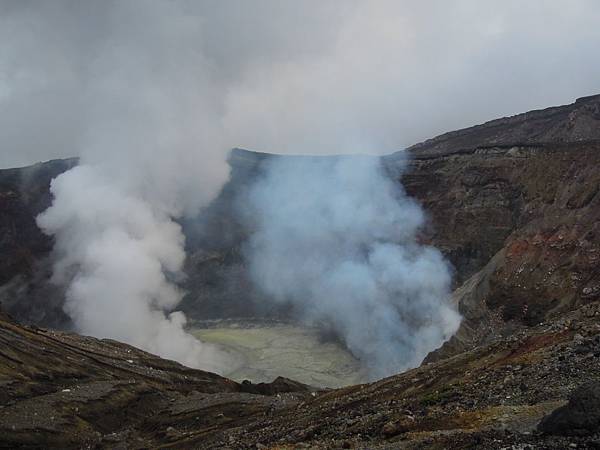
66 391
494 396
577 122
518 219
63 390
520 225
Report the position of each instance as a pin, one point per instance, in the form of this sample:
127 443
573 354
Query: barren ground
266 351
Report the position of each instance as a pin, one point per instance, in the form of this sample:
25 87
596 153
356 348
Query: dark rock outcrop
520 227
579 417
24 193
25 268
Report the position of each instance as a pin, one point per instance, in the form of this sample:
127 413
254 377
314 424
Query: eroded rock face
532 213
24 193
24 250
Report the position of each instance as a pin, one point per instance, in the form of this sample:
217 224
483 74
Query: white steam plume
115 250
337 238
151 150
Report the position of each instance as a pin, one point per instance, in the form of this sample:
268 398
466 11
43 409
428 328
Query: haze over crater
152 95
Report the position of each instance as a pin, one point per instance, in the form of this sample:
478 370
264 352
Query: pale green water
267 351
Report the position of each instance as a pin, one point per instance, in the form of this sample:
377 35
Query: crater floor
268 350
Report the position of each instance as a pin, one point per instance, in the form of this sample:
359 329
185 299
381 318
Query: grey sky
288 76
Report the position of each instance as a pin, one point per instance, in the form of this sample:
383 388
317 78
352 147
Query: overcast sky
289 76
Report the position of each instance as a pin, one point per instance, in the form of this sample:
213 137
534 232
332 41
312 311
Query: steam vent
162 286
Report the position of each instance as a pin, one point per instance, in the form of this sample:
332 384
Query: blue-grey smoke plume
336 237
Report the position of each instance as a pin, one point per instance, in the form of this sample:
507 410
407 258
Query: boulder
579 417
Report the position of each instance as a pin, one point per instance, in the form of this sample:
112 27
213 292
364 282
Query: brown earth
65 391
61 390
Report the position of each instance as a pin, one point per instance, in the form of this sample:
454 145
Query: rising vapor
116 254
152 94
336 238
150 152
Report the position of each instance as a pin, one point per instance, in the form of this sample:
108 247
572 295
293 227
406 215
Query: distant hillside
577 122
